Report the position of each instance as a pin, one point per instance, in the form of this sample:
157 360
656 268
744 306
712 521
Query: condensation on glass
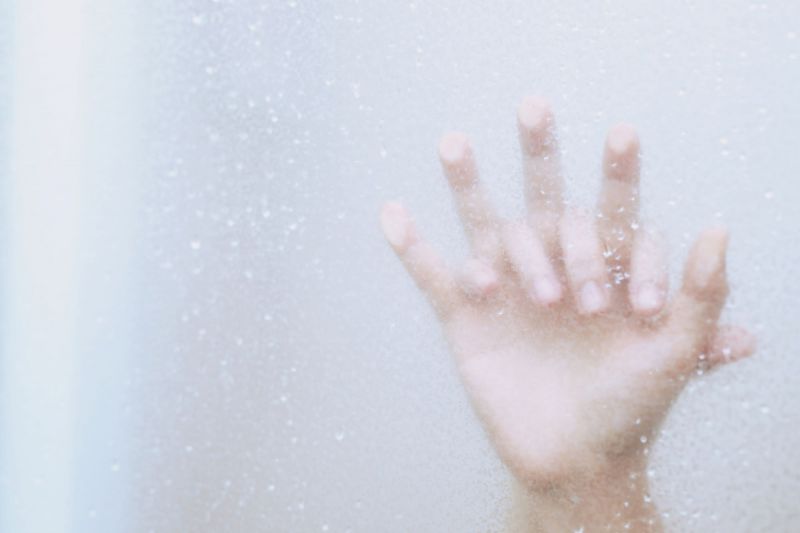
242 351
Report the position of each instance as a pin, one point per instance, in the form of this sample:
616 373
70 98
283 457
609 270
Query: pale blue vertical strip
6 27
108 278
46 164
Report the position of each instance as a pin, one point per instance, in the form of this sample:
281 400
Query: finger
648 284
528 258
478 280
477 215
729 344
619 199
543 182
422 262
583 261
697 306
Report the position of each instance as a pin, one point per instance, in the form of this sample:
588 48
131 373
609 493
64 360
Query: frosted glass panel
242 350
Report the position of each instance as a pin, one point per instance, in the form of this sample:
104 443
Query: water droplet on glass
726 351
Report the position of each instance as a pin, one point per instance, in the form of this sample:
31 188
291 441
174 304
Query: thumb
728 344
696 308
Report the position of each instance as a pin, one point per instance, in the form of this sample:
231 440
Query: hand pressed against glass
561 326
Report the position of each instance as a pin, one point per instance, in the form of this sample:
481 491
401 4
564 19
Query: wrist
616 498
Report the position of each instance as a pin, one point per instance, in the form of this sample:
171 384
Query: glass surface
245 352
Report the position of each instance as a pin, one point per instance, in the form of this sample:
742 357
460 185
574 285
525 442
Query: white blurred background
202 327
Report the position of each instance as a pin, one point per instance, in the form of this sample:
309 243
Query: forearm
618 501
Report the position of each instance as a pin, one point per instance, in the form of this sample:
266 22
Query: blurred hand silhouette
561 324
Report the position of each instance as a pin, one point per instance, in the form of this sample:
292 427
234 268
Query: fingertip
648 299
534 113
547 291
748 343
718 235
593 298
743 340
732 343
623 139
706 263
583 260
479 279
455 154
648 283
397 226
453 148
528 258
621 159
535 119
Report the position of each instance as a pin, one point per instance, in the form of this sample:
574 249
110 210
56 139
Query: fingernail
742 344
534 113
395 225
456 157
487 283
622 138
709 257
535 117
453 148
481 278
649 298
547 290
593 297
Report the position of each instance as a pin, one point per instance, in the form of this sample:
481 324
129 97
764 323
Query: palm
559 323
550 388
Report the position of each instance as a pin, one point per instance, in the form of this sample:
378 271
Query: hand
560 324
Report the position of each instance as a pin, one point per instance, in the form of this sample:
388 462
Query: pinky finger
422 262
729 344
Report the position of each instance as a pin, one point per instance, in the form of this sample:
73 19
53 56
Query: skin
563 331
